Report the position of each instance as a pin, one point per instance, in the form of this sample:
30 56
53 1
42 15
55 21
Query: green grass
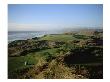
39 58
51 51
59 37
32 58
81 36
15 63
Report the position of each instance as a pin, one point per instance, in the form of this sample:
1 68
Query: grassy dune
57 56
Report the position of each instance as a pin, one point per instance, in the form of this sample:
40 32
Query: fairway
58 37
19 62
16 63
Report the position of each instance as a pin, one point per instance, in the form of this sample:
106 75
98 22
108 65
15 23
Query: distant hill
80 29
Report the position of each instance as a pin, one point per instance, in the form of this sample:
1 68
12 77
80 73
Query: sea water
23 35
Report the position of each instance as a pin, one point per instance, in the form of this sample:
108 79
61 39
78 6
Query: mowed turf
58 37
15 63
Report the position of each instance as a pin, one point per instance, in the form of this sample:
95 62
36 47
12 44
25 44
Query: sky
38 17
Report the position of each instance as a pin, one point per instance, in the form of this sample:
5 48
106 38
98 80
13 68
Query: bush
48 56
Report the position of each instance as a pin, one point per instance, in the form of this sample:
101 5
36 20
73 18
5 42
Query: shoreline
9 41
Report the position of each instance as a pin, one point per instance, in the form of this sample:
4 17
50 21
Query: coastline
67 50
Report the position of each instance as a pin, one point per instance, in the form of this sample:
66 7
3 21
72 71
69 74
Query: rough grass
56 70
49 63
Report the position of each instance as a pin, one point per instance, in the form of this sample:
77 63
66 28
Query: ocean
24 35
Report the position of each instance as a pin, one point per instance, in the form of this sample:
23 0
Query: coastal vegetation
71 55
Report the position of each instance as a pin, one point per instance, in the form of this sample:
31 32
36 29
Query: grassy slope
38 58
16 63
32 58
